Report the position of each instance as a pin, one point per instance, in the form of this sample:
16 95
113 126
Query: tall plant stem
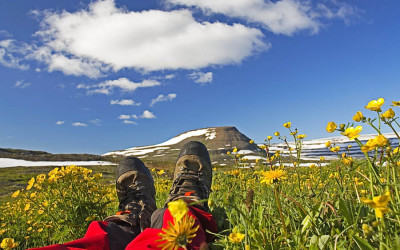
278 203
371 166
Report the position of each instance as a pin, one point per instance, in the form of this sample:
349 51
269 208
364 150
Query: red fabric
96 238
147 239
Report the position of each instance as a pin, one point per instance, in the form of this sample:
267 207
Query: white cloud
201 77
162 98
129 122
123 84
281 17
73 66
21 84
103 37
170 76
147 115
12 54
59 122
96 122
125 102
79 124
135 116
124 117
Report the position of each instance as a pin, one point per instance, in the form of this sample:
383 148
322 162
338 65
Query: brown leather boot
193 174
136 194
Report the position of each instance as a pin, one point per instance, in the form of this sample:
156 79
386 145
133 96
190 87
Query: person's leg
136 195
192 182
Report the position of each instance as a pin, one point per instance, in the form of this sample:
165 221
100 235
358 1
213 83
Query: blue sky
96 76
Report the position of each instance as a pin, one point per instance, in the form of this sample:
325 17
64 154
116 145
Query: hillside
218 141
32 155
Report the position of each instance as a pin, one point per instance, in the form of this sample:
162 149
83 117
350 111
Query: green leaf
345 211
362 243
323 240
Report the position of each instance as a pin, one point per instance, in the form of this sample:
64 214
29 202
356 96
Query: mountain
218 141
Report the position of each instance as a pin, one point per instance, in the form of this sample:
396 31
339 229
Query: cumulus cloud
59 123
21 84
125 102
147 115
96 122
79 124
129 122
281 17
103 37
201 77
163 98
124 117
123 84
12 54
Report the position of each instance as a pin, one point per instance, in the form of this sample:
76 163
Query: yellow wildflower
161 172
236 237
234 150
389 114
335 149
375 105
379 204
287 125
8 243
40 178
178 209
228 153
277 133
347 160
396 103
322 158
15 194
367 229
352 132
381 141
272 176
179 234
40 211
45 203
358 116
269 137
370 145
396 150
331 127
235 172
262 146
302 136
30 183
327 144
27 206
251 141
398 163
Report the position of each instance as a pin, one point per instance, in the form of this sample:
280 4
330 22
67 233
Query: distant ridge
218 141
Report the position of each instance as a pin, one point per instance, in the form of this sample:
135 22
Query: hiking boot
193 175
136 194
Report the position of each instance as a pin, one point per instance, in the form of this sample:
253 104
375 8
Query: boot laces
187 182
131 198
